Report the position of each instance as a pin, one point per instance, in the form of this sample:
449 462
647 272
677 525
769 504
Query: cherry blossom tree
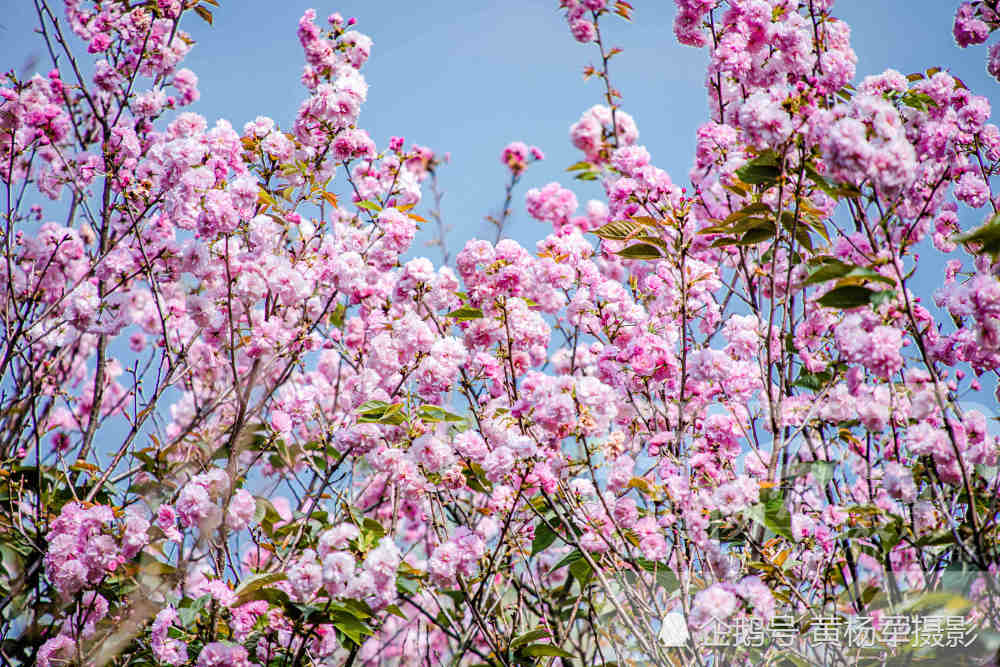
713 423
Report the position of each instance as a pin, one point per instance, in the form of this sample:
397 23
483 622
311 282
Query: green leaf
265 514
739 189
369 205
767 157
579 166
466 313
432 413
379 412
797 226
937 539
821 182
987 237
147 566
654 241
407 585
849 296
757 230
747 211
581 571
640 251
545 650
822 471
834 269
617 230
530 636
813 381
772 514
371 406
476 480
393 415
664 575
396 611
351 626
544 537
937 601
187 613
254 584
337 316
738 227
859 274
919 101
758 174
757 235
457 597
568 559
724 242
830 269
265 197
762 170
882 297
372 530
13 563
275 596
647 221
890 535
357 608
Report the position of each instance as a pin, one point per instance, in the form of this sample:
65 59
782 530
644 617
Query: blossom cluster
974 22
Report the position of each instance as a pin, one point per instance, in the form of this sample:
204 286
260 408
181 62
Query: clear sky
468 77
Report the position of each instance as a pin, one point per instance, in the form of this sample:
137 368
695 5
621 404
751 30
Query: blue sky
468 77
